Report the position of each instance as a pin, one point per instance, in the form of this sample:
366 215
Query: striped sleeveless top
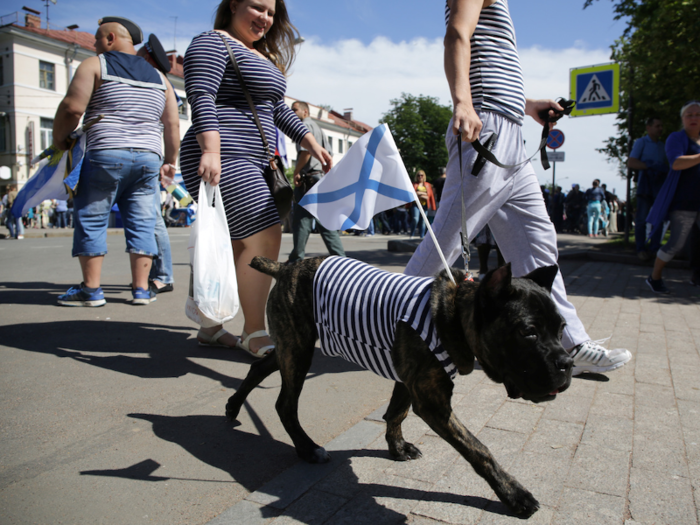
495 75
357 308
132 100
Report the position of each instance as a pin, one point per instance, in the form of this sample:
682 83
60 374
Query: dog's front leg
294 365
396 412
431 402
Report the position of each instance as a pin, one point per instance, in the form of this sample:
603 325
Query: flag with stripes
57 174
370 178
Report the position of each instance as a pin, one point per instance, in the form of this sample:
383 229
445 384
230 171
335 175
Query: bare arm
171 133
464 15
74 104
686 161
310 144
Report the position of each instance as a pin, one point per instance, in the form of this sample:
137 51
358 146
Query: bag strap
248 97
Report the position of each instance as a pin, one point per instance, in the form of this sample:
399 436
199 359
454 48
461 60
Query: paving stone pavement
620 448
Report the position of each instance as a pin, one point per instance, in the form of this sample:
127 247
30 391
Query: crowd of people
592 212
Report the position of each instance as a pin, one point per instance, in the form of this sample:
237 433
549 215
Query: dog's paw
318 455
405 451
522 502
232 409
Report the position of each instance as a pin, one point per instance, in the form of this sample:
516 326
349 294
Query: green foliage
659 57
418 125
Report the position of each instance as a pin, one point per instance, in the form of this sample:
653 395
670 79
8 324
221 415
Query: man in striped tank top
124 155
486 82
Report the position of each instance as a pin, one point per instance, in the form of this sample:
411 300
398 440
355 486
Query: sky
361 54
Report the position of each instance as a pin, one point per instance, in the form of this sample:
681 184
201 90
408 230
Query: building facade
36 67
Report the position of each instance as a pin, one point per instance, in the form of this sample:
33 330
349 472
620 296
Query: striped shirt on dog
495 75
357 308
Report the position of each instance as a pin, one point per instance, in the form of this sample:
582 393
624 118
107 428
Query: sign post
555 140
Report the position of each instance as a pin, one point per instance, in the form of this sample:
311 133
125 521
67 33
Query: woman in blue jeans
595 196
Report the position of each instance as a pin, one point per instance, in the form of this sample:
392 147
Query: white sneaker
592 357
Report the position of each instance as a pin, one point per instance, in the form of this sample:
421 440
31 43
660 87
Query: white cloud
349 74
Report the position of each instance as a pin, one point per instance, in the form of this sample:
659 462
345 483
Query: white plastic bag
214 291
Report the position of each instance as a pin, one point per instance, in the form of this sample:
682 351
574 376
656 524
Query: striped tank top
495 75
131 100
357 308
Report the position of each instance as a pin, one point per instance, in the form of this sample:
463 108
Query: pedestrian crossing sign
596 89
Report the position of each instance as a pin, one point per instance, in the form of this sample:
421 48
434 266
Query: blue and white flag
370 178
57 174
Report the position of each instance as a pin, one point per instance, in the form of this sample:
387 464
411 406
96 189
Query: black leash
484 150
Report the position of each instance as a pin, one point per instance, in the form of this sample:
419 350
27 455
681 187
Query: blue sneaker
141 296
78 296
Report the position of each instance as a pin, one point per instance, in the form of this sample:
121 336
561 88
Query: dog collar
469 277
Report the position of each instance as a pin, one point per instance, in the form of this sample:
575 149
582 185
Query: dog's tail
265 265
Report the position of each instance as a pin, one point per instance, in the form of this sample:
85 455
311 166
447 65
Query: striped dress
357 308
495 75
219 104
131 99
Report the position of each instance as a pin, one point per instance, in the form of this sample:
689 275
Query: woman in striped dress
224 146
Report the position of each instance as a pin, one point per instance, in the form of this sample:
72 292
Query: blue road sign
555 139
596 89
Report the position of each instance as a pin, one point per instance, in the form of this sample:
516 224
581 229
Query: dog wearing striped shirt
510 325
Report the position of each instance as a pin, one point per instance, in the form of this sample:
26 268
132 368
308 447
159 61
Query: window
183 109
340 145
46 133
2 79
349 144
2 134
47 74
330 142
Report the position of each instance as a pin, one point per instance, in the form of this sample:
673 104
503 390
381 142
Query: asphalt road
115 414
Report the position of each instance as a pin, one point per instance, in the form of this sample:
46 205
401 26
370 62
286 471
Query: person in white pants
508 200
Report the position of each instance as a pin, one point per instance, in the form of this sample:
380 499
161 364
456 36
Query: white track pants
510 202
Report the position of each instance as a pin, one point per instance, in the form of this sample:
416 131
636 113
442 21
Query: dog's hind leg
294 365
396 412
431 395
259 370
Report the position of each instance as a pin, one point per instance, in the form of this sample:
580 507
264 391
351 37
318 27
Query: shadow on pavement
168 351
252 460
45 294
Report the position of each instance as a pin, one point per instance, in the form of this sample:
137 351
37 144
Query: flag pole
432 235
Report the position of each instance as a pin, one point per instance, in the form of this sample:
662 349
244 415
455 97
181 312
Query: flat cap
134 30
155 49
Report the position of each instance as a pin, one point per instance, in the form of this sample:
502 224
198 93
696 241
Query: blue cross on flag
370 178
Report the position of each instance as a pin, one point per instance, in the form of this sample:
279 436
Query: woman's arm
204 65
685 161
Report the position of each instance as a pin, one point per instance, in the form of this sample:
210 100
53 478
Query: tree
418 125
659 57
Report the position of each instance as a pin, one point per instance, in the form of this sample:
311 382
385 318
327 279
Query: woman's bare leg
253 286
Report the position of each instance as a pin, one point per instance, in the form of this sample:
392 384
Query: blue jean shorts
127 177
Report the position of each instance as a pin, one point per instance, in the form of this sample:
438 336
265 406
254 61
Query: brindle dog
510 325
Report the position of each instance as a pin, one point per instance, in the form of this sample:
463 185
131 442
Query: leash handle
485 153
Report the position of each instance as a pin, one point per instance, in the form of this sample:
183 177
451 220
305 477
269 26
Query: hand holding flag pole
371 178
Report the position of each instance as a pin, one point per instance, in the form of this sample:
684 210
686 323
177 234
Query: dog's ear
544 276
497 281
